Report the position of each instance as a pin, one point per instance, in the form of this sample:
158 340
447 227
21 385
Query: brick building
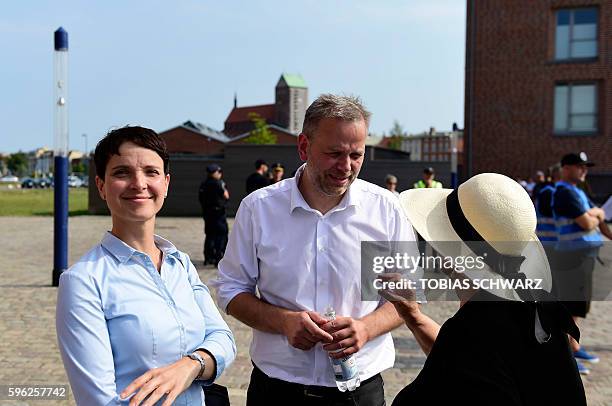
433 146
283 136
538 85
194 138
287 111
284 118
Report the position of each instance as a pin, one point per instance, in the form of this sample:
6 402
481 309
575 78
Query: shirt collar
350 198
124 252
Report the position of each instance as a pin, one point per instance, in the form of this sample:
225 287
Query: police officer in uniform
577 222
543 198
213 196
428 180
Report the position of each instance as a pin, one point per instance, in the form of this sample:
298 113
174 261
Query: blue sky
160 63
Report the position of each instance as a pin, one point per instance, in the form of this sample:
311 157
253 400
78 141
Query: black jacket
487 354
211 198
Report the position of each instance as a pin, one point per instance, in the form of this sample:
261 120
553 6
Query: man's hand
349 335
598 212
170 380
303 330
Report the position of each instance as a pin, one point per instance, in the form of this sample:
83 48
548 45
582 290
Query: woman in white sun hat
503 346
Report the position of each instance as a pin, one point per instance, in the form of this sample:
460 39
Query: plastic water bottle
345 369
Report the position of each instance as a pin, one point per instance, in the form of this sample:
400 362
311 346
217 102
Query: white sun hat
489 208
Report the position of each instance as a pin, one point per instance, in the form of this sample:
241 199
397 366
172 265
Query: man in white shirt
295 249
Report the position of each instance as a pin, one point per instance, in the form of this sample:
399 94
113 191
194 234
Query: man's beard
320 180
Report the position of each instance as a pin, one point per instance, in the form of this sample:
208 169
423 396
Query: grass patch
39 202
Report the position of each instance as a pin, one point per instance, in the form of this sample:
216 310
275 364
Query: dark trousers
264 390
216 230
573 280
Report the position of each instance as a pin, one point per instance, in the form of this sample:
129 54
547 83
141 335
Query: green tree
396 134
17 164
79 167
397 130
260 134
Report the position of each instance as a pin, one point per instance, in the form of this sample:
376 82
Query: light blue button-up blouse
117 317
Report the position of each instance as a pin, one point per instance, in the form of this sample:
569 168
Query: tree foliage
260 134
397 130
79 167
396 134
17 163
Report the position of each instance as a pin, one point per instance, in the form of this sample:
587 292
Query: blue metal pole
454 162
60 178
60 220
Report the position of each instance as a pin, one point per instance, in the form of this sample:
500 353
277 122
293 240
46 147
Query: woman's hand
401 295
170 381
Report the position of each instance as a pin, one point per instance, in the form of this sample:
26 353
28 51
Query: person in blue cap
580 225
213 196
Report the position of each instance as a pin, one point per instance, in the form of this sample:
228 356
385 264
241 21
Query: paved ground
28 351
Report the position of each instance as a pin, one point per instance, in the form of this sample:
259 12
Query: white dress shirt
302 260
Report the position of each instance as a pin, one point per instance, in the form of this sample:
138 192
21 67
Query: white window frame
571 34
568 113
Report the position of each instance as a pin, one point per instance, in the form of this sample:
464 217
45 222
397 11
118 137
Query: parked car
44 183
9 179
74 181
28 183
36 183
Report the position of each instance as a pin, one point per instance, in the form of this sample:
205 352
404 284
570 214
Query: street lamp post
60 178
454 177
85 136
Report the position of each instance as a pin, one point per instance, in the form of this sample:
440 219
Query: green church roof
294 80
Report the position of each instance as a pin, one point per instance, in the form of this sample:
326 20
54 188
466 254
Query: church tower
291 102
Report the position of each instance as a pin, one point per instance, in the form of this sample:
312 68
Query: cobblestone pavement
28 351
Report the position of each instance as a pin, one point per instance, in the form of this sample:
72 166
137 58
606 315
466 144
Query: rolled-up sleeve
238 270
84 341
218 338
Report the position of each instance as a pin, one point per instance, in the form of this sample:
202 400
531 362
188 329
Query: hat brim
426 210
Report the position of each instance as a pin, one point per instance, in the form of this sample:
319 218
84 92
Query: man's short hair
345 108
141 136
555 169
390 179
429 171
259 163
277 167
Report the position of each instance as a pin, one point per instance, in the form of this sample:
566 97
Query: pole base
56 277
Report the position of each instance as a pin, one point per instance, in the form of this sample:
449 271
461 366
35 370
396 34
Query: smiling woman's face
134 185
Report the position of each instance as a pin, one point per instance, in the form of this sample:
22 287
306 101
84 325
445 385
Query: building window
575 108
576 33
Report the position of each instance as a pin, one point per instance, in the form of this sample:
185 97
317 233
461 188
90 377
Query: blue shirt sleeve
567 203
84 341
218 339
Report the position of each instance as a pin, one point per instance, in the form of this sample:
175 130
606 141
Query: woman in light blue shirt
134 322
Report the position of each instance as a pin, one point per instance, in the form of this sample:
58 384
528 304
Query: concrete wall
187 171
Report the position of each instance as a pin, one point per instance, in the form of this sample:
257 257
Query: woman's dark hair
143 137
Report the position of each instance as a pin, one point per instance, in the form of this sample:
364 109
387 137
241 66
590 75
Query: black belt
312 391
